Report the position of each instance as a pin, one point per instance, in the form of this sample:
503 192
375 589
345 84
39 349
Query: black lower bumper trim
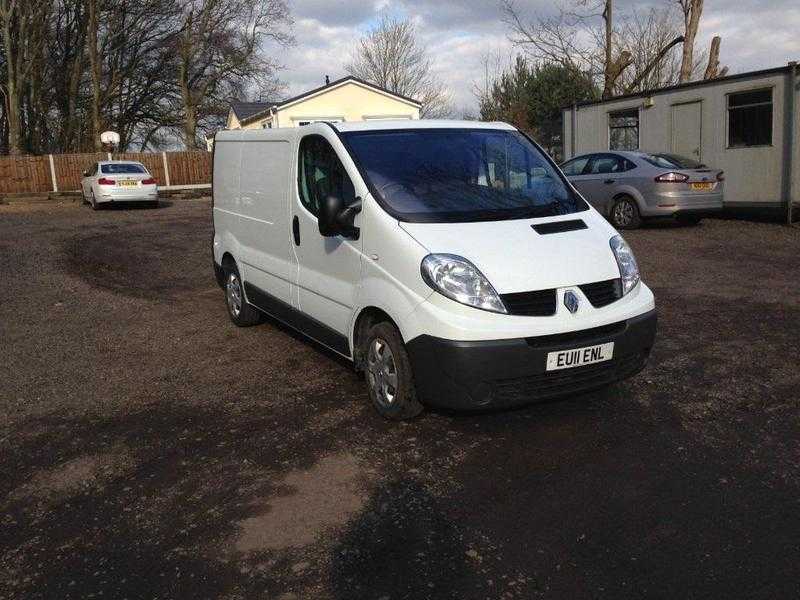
504 373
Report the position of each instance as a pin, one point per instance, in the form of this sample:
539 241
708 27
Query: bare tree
391 57
71 68
583 36
23 41
219 50
651 35
68 60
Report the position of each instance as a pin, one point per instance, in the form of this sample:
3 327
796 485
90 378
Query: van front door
329 268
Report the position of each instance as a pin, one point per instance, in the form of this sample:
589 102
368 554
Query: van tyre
388 373
241 313
625 213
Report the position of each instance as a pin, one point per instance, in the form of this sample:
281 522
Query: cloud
459 33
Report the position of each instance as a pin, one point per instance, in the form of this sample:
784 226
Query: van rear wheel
388 373
240 311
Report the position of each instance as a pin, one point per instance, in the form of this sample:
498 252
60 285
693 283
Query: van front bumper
503 373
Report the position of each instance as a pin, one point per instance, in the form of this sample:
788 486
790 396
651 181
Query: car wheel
93 201
625 213
388 372
240 311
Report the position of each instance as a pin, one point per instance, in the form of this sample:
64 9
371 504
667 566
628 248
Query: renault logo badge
571 301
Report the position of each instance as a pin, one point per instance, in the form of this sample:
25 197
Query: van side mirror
337 219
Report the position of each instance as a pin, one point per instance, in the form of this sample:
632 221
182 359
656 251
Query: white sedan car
110 181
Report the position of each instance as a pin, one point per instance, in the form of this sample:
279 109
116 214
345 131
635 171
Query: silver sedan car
628 187
118 181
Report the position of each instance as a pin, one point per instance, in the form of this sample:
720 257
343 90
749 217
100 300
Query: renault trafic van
450 261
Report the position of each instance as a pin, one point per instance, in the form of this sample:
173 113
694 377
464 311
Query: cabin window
750 119
320 174
623 130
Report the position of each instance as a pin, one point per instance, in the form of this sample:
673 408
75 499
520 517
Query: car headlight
459 280
628 269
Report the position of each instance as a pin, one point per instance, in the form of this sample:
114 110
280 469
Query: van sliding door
268 260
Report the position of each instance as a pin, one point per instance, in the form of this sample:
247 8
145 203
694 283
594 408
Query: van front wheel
388 373
239 310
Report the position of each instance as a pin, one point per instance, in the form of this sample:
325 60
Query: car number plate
701 186
128 182
566 359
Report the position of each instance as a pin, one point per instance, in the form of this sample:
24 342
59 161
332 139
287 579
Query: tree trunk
96 125
9 10
692 10
608 66
712 70
71 126
190 127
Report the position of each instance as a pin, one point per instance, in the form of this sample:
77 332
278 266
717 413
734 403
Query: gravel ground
150 449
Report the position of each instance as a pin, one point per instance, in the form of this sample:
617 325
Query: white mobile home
746 124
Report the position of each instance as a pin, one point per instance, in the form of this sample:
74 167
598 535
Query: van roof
289 133
380 124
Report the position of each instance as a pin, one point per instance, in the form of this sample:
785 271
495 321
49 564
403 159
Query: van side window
320 174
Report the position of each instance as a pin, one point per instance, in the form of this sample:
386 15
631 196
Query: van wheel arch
227 259
369 316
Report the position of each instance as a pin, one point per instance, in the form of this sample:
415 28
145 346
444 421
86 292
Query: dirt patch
75 475
139 263
321 498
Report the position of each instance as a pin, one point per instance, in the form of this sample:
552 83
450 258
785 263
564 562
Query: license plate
701 186
128 183
566 359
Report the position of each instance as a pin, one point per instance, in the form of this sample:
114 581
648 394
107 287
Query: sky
756 34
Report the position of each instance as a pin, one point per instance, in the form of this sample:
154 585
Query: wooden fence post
53 173
166 168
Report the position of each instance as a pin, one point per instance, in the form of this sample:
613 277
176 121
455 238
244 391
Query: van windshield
458 175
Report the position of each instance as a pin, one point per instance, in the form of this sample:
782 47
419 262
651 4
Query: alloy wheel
233 293
623 213
382 372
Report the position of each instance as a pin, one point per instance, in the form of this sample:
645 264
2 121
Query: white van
451 261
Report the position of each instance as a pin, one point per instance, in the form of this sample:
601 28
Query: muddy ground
150 449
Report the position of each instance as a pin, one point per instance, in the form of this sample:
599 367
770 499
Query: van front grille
567 381
541 303
602 293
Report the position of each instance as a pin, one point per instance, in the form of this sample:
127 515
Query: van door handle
608 181
296 230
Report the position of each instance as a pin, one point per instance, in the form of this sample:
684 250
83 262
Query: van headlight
460 280
628 269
